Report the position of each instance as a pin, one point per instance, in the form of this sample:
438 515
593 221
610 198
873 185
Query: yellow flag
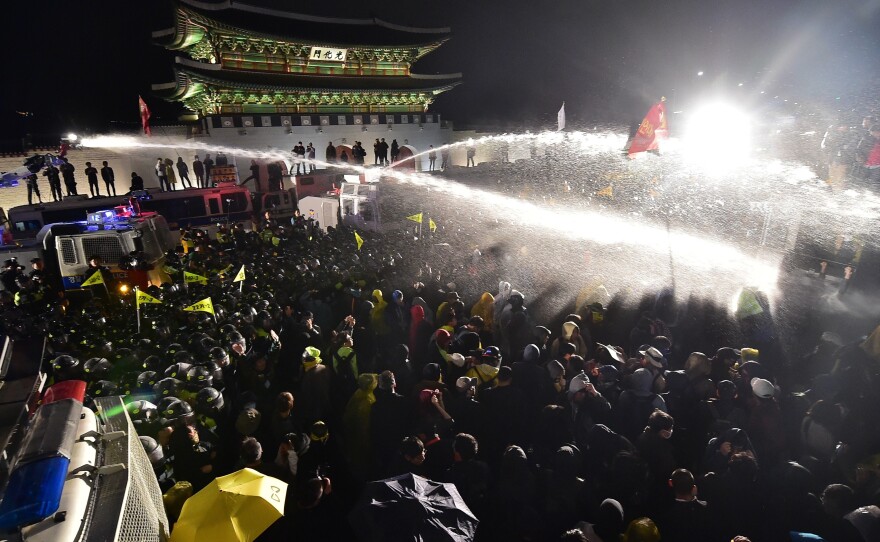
359 240
96 278
144 297
608 191
192 277
432 225
240 275
204 305
415 218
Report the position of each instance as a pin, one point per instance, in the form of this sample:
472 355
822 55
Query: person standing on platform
199 172
67 170
255 175
310 151
160 173
183 172
471 153
33 189
108 177
92 176
299 154
377 152
383 148
395 150
209 164
330 153
54 177
432 157
358 153
444 156
169 172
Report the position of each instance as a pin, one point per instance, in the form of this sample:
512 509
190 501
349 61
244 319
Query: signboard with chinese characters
327 54
224 174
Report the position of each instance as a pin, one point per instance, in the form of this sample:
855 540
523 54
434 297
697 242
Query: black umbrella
412 509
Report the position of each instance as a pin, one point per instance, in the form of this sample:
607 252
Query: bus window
238 202
214 205
347 208
176 209
272 201
27 226
366 211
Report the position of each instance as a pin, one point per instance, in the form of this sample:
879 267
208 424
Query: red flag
145 115
652 130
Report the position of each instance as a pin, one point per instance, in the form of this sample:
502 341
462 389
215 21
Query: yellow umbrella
233 508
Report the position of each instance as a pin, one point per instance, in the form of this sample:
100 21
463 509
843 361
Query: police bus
181 208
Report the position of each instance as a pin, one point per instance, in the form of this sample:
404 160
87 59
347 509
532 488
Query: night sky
80 65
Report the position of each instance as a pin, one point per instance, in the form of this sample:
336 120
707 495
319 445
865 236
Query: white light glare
72 137
718 134
699 74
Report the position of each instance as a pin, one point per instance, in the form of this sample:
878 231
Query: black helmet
142 410
180 411
97 368
182 357
66 368
103 388
152 363
172 349
219 356
198 377
206 344
165 403
226 329
177 370
209 402
125 357
146 380
167 387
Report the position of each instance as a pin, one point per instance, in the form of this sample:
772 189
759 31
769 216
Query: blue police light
33 492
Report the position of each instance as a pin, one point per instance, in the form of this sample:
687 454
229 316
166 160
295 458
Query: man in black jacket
108 177
67 170
53 175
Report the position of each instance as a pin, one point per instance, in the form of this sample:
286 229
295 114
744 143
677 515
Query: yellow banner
204 305
192 277
359 240
143 297
432 225
96 278
240 275
415 218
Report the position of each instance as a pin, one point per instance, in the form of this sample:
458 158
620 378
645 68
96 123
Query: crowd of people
332 366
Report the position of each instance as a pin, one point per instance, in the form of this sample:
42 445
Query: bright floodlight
699 74
71 137
718 135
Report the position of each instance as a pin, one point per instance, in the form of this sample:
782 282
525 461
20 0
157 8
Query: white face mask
292 461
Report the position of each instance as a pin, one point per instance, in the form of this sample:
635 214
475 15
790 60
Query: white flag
560 118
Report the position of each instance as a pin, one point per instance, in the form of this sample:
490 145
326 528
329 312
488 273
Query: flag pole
137 308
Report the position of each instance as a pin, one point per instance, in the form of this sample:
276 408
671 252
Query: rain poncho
485 309
356 424
429 315
486 375
570 334
377 315
501 299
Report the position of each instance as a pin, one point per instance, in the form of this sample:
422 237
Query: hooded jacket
569 336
